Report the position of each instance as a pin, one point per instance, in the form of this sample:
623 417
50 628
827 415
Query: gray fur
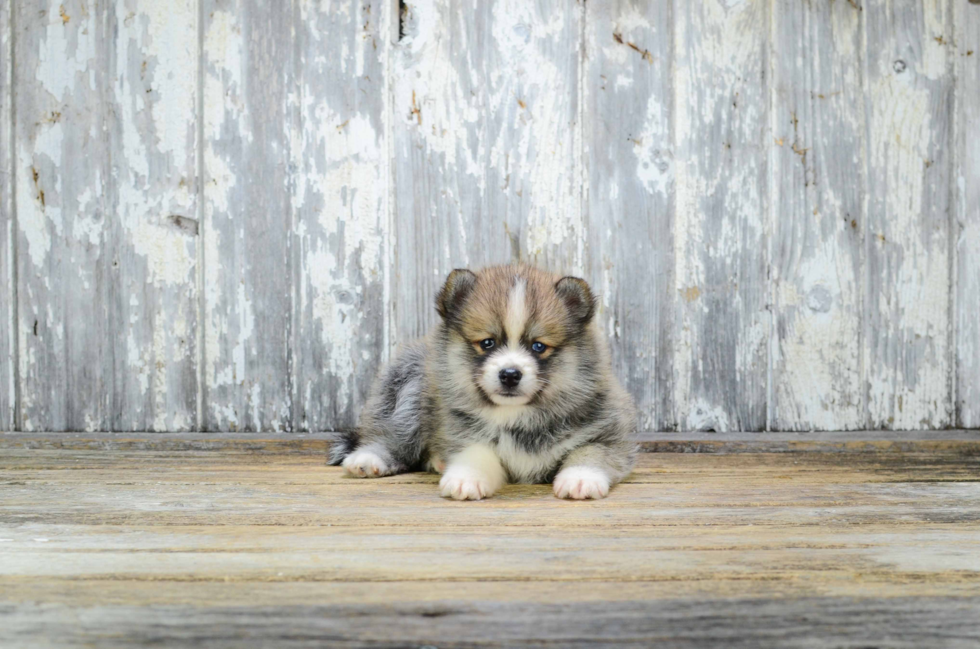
425 406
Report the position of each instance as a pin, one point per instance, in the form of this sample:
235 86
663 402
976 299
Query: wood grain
8 232
65 253
225 215
630 208
339 195
817 260
721 138
152 230
132 546
486 145
249 63
944 442
907 298
966 225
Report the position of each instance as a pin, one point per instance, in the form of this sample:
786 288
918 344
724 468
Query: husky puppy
515 384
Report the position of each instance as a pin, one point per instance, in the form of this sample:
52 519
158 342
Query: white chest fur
521 465
527 467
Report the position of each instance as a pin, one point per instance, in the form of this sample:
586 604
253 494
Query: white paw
366 464
464 483
581 482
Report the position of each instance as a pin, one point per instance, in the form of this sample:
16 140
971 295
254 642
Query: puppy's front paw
581 482
465 483
366 464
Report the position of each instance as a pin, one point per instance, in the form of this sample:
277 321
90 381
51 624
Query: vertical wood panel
630 206
153 230
907 297
64 264
486 147
967 233
340 152
722 140
530 70
817 216
8 325
249 76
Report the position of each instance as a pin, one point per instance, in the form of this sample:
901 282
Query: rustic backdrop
225 214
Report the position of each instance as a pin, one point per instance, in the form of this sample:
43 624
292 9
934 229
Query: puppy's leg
472 474
388 439
589 471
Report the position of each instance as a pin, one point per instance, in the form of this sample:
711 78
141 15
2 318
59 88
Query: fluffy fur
444 404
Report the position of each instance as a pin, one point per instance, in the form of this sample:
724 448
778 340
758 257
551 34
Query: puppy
515 384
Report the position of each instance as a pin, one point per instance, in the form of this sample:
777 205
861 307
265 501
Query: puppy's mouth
510 398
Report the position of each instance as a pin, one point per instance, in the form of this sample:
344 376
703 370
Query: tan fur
566 412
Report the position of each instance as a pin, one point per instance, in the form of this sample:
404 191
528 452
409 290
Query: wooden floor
259 543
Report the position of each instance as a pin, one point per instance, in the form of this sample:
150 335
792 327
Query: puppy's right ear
458 286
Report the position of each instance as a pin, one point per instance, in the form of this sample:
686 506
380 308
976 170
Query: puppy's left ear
577 296
458 286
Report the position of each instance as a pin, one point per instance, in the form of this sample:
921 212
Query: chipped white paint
8 318
340 201
630 177
966 223
248 79
721 196
758 191
816 270
65 365
152 190
906 351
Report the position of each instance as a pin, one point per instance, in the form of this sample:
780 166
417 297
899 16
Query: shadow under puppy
514 384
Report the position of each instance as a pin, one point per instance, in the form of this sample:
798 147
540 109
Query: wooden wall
225 214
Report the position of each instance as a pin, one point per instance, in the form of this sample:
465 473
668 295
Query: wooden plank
900 622
340 198
945 442
8 290
232 549
721 144
486 145
64 254
816 217
248 59
152 309
907 300
967 230
630 195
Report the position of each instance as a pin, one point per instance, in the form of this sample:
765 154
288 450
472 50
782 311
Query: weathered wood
966 232
910 622
221 548
630 208
721 135
486 145
64 252
8 287
907 298
340 197
230 225
817 217
945 442
152 229
249 59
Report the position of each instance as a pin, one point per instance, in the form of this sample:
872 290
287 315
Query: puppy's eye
487 344
538 347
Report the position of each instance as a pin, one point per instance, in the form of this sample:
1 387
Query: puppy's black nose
510 377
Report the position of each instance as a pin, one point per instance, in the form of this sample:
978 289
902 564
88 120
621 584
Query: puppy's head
517 334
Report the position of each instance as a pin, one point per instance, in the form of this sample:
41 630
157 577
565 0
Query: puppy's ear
577 296
458 286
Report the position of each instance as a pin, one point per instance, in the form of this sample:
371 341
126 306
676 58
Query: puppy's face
515 331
